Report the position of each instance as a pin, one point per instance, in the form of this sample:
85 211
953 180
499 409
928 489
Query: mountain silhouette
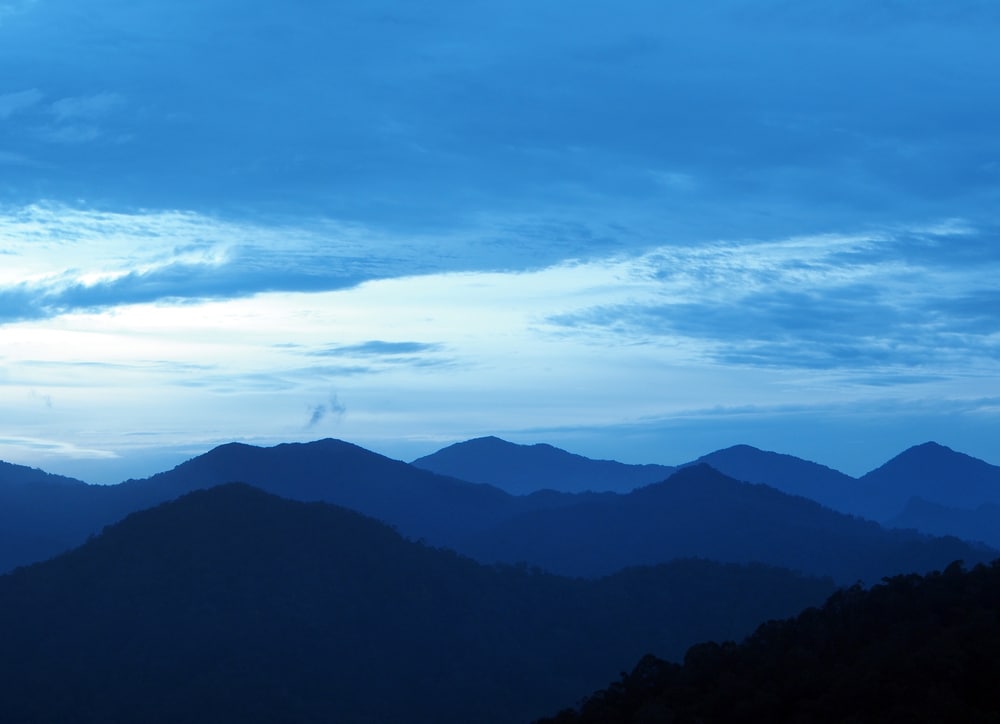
978 524
699 511
787 473
523 469
418 502
20 476
39 514
42 520
234 605
934 473
912 649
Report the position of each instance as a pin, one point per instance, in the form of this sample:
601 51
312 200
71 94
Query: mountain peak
522 469
936 473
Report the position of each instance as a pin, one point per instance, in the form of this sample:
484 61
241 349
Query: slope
523 469
910 650
788 474
233 605
699 511
933 472
39 514
978 524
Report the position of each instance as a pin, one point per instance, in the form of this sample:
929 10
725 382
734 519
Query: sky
642 230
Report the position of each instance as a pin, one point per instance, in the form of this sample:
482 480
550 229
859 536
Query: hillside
523 469
934 473
233 605
788 474
913 649
978 524
699 511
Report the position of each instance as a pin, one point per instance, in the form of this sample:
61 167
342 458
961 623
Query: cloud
65 258
13 103
379 348
904 299
54 448
87 108
331 407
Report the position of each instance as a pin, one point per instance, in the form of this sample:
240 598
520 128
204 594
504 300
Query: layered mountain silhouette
40 514
934 473
913 649
234 605
20 476
976 524
524 469
697 512
787 473
700 511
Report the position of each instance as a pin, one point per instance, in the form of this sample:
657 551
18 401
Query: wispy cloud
892 300
12 103
54 448
87 108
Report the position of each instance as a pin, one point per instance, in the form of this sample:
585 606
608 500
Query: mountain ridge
233 604
521 469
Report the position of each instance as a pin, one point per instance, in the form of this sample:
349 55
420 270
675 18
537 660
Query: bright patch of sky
643 231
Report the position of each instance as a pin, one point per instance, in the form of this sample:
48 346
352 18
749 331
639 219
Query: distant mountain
418 502
523 469
787 473
233 605
20 476
421 504
934 473
39 514
910 650
979 524
701 512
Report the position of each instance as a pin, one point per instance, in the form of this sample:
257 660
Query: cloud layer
477 218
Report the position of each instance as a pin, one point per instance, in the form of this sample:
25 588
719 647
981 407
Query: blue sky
644 230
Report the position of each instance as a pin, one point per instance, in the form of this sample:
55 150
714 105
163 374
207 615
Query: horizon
640 233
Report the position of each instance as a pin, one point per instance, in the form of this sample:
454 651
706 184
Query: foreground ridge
914 648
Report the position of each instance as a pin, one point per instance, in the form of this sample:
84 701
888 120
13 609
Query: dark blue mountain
233 605
977 524
39 514
934 473
421 504
20 476
787 473
699 511
523 469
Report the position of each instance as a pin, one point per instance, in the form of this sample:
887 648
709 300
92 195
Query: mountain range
695 512
234 605
524 469
322 581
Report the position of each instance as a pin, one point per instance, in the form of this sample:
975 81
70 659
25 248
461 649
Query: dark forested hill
233 605
523 469
913 649
699 511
